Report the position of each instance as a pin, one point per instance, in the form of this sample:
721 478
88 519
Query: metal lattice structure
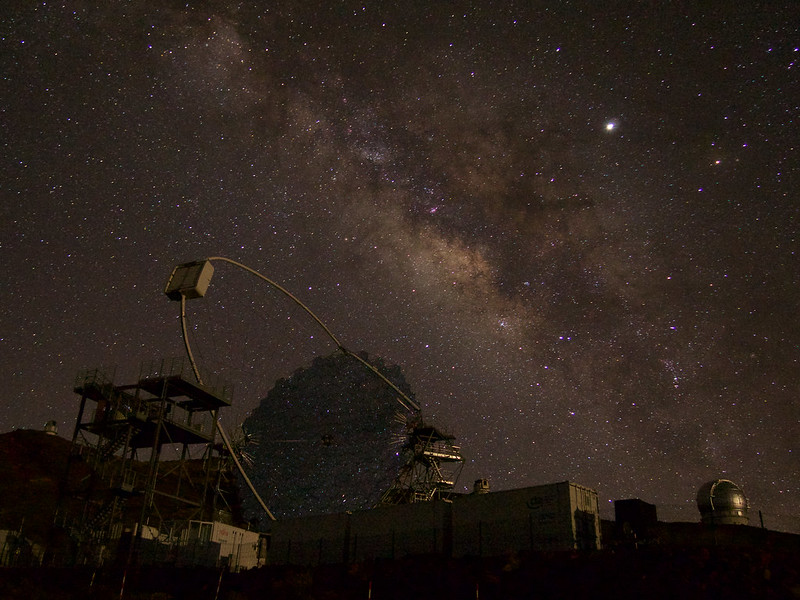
136 486
433 464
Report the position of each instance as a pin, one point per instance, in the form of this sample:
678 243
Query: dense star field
572 225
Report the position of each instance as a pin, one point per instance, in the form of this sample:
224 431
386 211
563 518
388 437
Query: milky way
616 306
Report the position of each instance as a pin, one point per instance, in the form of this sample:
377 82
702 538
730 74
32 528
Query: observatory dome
722 502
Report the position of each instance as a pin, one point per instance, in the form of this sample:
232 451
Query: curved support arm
223 435
185 334
229 446
282 289
403 399
407 402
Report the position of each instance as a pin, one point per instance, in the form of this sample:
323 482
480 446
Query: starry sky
572 224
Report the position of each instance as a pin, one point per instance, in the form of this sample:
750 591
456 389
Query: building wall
561 516
238 548
211 544
401 530
309 541
585 510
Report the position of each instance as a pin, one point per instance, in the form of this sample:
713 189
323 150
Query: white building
215 544
560 516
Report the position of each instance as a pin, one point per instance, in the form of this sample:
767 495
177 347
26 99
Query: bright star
610 125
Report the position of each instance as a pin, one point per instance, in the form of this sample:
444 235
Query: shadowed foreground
652 573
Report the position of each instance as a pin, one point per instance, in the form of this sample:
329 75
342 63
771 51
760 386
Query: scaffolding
142 443
433 464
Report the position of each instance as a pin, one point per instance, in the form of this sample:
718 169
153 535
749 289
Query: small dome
481 486
722 501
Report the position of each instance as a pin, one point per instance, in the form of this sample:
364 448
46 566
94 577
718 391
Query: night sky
573 225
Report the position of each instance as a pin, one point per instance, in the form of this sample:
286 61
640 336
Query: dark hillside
32 467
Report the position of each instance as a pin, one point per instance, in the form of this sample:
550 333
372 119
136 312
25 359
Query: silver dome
722 501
